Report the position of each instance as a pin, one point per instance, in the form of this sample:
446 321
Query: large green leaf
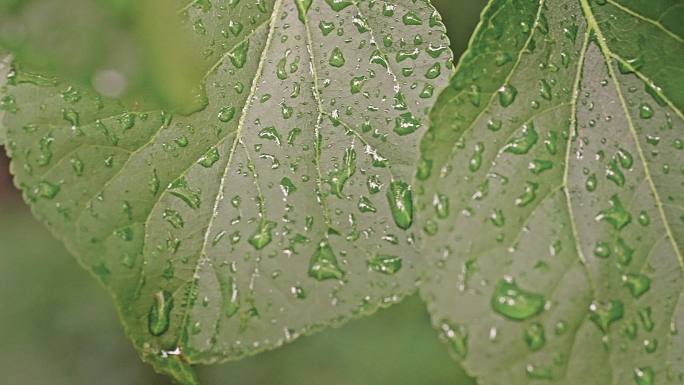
553 195
280 206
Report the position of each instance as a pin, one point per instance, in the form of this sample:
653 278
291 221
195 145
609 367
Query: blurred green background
59 327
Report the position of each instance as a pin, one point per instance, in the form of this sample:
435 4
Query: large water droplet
400 201
515 303
523 144
262 236
616 215
603 314
324 264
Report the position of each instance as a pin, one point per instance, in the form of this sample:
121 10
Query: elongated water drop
456 337
523 143
386 264
534 337
400 200
159 316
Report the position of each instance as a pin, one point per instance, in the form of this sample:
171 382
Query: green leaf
280 206
552 195
4 70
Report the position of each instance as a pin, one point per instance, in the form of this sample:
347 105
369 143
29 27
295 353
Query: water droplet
515 303
603 314
400 201
179 188
591 183
441 203
366 206
644 219
538 372
270 133
644 376
326 27
616 215
614 174
77 165
623 252
356 84
507 94
209 158
534 337
262 236
45 190
523 144
411 18
638 284
625 158
544 89
494 125
174 218
324 263
406 123
476 160
537 166
528 196
226 114
339 178
238 56
287 186
434 71
386 264
71 116
159 316
338 5
646 320
602 250
336 58
230 295
645 111
456 337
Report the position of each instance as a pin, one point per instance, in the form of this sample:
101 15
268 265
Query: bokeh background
59 327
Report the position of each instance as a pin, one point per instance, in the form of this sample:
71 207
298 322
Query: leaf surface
551 195
282 205
4 70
